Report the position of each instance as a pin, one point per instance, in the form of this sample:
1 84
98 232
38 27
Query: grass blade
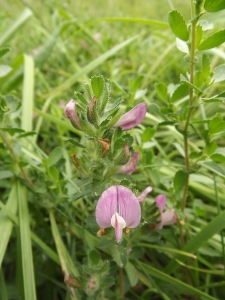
26 249
89 67
173 281
28 90
216 225
26 14
5 223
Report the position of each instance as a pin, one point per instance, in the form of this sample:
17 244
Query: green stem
121 283
190 110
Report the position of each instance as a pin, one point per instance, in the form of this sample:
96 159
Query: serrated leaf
4 70
216 124
75 143
213 41
178 25
214 5
131 273
161 90
98 85
3 51
55 156
219 74
179 180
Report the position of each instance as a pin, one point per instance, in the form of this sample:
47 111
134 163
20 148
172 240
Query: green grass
48 243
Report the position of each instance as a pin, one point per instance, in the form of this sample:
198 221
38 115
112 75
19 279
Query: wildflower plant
116 191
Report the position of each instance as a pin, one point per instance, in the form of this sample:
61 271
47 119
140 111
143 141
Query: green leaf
216 124
215 168
182 46
219 74
54 173
11 130
147 134
75 143
210 148
180 92
94 259
166 123
55 156
178 25
199 33
28 94
98 85
213 41
214 5
179 180
218 155
131 273
3 51
119 254
26 248
205 67
6 224
161 90
4 70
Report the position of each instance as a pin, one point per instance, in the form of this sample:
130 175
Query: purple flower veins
118 207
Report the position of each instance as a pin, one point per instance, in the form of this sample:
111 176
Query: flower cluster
107 141
120 208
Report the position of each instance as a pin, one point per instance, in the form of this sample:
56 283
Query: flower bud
70 112
133 117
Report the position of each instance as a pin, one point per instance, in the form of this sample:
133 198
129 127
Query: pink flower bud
70 112
166 218
133 117
131 165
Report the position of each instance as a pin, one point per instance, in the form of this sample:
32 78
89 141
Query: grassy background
61 39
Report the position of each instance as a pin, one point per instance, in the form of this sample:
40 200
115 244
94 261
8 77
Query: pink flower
166 218
70 112
132 117
131 165
118 207
143 195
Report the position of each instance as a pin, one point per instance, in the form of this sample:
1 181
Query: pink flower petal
161 202
131 165
133 117
144 194
70 112
169 217
106 207
118 199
